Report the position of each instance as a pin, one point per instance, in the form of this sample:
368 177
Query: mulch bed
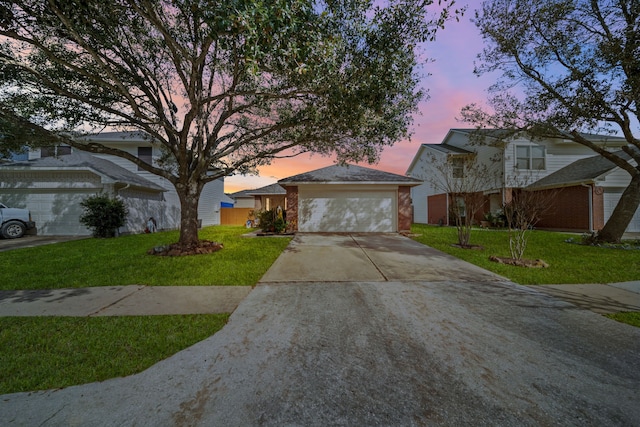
530 263
476 247
176 249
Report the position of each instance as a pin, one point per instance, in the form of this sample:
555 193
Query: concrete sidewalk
135 300
600 298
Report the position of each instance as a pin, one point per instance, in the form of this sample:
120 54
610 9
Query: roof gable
269 190
349 174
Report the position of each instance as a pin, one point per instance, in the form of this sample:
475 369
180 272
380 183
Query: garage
611 200
336 209
348 199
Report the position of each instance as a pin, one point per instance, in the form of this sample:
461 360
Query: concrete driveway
374 330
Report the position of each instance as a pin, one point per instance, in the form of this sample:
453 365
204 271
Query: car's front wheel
12 229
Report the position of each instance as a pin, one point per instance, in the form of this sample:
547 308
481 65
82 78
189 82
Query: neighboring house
265 198
226 201
348 199
589 186
53 181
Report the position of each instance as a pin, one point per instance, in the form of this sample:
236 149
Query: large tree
221 86
575 68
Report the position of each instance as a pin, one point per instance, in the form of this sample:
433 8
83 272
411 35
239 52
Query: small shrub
270 222
103 214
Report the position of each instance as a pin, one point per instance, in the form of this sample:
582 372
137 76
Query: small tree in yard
464 180
103 214
523 212
220 87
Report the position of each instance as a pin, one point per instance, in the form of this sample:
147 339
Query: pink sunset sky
451 85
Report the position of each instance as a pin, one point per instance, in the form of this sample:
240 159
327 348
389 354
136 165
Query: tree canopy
568 67
221 87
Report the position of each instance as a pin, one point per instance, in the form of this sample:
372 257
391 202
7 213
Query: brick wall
292 209
437 207
404 208
570 209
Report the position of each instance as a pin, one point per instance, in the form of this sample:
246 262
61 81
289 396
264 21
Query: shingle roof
497 133
580 171
449 149
79 160
268 190
349 174
117 136
273 189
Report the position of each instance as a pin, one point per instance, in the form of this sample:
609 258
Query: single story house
348 199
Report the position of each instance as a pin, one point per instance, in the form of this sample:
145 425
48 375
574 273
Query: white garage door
610 202
335 210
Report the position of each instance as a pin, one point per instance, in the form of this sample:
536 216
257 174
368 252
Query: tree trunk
189 199
622 214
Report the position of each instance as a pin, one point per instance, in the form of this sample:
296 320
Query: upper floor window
530 157
55 151
457 167
144 154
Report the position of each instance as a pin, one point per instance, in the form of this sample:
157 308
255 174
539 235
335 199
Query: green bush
103 214
270 222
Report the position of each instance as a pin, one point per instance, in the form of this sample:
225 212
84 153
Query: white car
14 222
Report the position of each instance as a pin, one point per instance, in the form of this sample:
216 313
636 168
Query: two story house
52 182
586 186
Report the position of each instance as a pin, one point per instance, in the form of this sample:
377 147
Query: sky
451 85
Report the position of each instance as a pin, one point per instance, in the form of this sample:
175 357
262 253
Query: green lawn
569 263
124 261
38 353
49 352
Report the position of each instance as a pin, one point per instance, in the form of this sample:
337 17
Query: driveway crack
386 279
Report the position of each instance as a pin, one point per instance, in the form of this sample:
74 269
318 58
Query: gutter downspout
119 190
447 214
590 188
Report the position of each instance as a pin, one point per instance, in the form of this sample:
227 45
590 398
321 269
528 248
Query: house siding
424 170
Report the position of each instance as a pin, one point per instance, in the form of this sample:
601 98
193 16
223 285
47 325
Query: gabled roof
440 148
269 190
78 160
498 133
118 136
349 174
581 171
448 149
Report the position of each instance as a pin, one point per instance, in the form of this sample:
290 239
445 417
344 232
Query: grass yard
569 263
124 261
629 317
38 353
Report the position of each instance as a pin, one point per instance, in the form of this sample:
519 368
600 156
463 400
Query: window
55 151
457 167
530 157
144 154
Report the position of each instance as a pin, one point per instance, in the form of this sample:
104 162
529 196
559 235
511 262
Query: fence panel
234 216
